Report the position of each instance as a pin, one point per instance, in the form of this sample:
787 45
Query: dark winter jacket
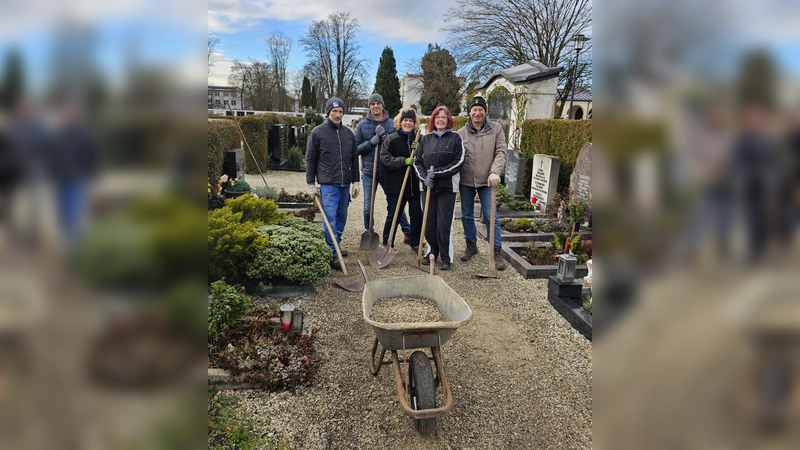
331 156
445 153
365 130
394 151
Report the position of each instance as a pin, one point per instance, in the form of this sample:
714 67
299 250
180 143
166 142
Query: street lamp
579 40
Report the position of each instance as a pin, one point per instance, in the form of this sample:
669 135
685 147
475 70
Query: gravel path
521 377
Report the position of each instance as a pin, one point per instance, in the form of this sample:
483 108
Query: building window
233 102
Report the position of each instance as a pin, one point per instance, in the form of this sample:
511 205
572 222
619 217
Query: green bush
255 209
292 255
301 224
294 159
577 211
562 138
539 255
150 242
238 186
232 245
266 192
313 119
225 307
504 195
524 225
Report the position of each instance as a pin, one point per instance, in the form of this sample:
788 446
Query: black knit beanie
479 101
410 114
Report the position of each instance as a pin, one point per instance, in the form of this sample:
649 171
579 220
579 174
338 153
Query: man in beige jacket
484 162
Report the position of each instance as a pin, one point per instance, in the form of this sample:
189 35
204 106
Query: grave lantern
297 320
566 266
286 316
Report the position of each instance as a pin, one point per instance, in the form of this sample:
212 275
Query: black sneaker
415 248
426 261
445 266
344 252
335 264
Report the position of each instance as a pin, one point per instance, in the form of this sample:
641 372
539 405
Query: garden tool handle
399 202
331 232
424 222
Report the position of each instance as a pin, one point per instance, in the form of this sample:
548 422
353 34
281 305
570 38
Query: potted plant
236 188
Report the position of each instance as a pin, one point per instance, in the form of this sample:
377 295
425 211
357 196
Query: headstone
544 180
515 170
233 165
274 142
580 182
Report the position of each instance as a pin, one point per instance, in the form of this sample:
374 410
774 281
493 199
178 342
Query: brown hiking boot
470 251
499 262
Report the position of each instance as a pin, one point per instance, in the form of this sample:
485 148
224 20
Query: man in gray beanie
332 171
370 134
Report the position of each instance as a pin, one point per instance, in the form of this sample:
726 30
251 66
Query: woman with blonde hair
395 156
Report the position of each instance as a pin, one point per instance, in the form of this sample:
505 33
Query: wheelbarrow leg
374 370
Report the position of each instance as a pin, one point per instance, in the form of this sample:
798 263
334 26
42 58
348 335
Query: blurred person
484 161
74 164
370 134
10 172
396 157
709 164
31 141
332 169
443 150
761 181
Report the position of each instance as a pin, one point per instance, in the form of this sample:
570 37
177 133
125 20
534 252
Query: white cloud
414 21
218 75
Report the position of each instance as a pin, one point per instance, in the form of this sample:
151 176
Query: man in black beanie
332 161
484 162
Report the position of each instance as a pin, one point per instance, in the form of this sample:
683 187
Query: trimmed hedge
222 136
561 138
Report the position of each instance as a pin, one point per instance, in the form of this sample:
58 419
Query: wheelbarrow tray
454 309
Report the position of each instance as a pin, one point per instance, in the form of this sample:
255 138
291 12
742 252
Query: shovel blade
382 257
353 283
490 274
369 241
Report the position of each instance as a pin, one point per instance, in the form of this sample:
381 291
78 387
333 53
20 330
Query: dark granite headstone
515 170
581 179
233 165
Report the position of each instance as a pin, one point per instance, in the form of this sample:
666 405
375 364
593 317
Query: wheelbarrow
417 388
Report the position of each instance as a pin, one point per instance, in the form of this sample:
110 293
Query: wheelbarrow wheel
421 390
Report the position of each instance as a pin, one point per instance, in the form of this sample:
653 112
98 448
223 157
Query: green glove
414 145
409 161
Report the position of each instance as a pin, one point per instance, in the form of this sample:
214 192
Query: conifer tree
387 84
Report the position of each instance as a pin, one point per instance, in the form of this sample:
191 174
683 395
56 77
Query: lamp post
579 40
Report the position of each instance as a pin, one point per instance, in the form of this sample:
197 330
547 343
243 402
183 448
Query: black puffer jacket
331 156
446 154
394 151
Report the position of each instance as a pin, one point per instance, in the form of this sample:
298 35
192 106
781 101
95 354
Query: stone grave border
510 252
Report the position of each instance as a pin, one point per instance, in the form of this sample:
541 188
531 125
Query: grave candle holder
286 316
566 267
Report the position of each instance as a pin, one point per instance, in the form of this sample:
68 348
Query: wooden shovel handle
424 222
491 230
374 186
332 233
399 202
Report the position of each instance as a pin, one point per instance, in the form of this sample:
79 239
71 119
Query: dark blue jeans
335 200
468 213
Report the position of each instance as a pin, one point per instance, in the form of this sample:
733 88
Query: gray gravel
521 377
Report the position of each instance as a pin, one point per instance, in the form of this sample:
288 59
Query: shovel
351 283
383 255
492 273
370 239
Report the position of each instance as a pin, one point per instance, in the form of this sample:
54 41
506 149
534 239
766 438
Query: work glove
429 180
494 180
380 133
414 145
313 189
354 190
409 161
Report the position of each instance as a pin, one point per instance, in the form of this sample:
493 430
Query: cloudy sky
407 27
